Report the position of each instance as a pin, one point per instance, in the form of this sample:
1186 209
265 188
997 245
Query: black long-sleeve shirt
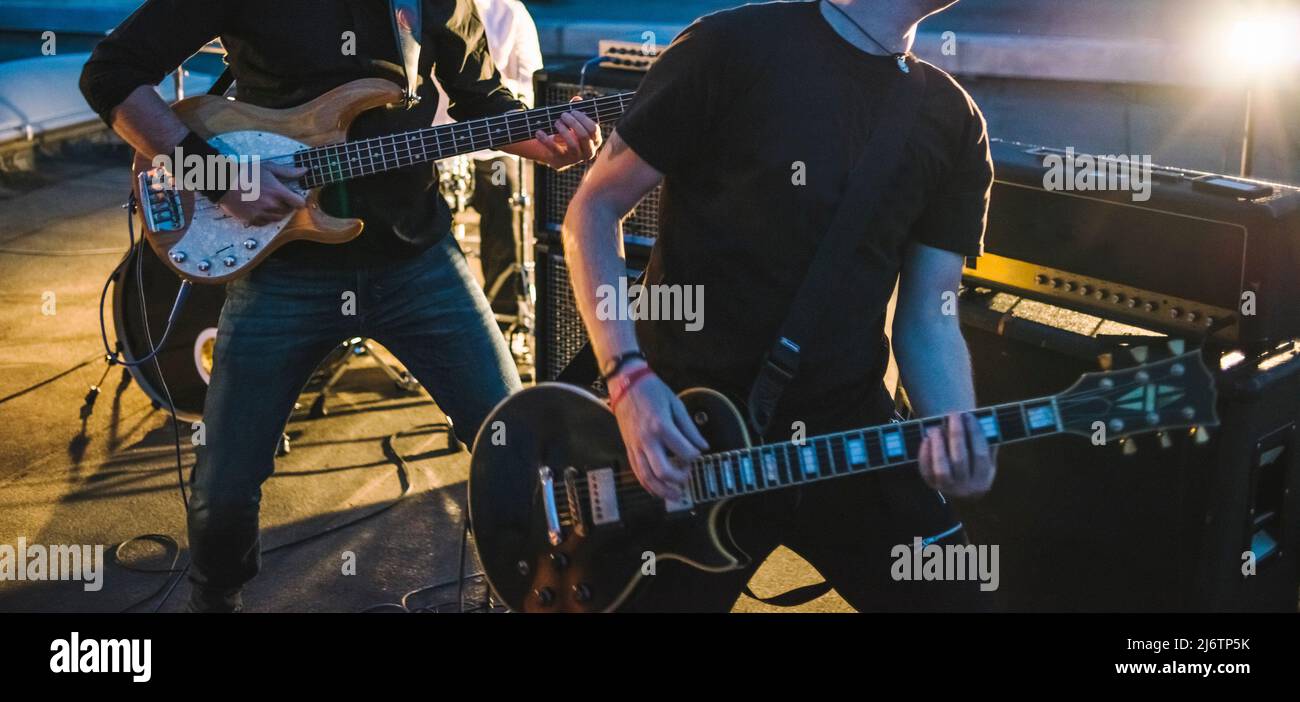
287 52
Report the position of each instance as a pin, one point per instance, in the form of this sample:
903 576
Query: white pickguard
223 242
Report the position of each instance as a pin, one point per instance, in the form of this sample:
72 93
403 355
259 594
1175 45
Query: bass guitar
203 244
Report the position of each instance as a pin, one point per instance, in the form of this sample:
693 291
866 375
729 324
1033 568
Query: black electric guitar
561 524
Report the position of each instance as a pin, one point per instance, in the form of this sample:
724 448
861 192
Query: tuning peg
1176 346
1128 447
1166 442
1105 361
1139 353
1200 435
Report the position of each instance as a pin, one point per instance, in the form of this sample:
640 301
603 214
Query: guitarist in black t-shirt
752 121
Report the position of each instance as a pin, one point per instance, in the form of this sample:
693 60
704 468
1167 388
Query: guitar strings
520 122
631 493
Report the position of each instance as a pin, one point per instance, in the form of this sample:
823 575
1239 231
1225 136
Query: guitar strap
835 261
406 18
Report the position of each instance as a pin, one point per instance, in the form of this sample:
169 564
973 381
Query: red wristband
620 384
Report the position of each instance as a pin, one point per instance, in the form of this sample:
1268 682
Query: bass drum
186 360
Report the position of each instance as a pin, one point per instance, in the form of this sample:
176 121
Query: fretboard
336 163
718 476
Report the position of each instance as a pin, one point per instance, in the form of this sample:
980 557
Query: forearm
593 246
935 366
147 123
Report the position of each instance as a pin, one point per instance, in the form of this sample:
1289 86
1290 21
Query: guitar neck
718 476
355 159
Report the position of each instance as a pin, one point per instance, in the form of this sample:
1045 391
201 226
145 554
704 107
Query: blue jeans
277 324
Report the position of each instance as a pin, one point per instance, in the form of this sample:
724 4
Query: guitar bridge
575 502
161 201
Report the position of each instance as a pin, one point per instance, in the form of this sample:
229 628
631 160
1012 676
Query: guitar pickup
603 496
161 201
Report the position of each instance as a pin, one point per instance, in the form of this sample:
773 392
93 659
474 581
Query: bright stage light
1263 44
1259 44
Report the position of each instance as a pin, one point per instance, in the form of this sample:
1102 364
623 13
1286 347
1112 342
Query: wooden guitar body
567 432
209 246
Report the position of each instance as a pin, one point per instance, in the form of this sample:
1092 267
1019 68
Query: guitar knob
229 261
560 560
582 592
250 244
1128 447
177 256
522 567
545 596
204 266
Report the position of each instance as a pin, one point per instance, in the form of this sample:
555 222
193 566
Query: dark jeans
276 326
495 181
846 528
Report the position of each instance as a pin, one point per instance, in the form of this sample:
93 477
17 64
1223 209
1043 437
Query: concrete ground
105 473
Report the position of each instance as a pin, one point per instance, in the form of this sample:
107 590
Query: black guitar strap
834 261
406 18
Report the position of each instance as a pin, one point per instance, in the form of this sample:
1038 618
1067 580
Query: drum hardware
519 327
337 363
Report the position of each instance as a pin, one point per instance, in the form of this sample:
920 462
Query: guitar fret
728 479
771 471
747 476
839 455
336 163
805 457
856 452
893 448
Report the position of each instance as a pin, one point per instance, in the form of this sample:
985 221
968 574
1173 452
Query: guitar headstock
1163 388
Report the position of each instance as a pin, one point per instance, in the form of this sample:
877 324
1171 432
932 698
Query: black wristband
619 361
197 145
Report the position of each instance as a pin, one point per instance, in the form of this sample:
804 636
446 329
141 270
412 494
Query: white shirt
516 51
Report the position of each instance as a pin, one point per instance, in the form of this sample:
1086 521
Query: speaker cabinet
1169 527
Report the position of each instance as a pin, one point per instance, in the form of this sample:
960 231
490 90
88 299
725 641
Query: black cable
182 294
114 357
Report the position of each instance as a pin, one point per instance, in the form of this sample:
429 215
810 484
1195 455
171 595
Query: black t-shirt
741 105
287 52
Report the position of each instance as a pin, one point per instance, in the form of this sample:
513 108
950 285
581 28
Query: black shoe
204 600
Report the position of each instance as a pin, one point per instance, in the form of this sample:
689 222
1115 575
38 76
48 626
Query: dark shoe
203 599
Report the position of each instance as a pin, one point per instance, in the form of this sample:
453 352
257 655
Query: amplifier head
1181 251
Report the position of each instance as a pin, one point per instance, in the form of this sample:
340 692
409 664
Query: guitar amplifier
560 332
556 85
1157 523
1195 254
